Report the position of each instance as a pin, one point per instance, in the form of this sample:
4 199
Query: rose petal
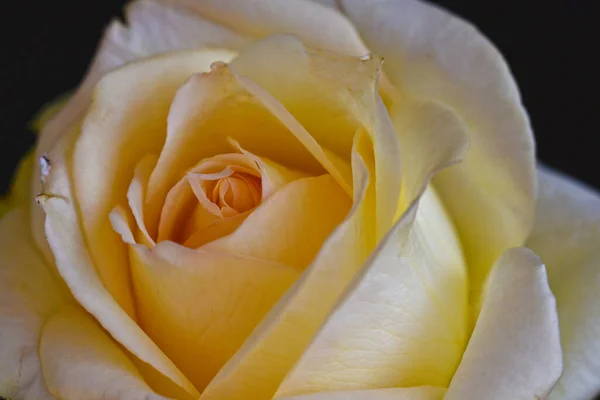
331 96
126 121
80 361
237 279
209 111
76 267
262 362
29 294
566 235
284 334
136 194
432 55
152 28
291 226
514 351
318 26
404 323
413 393
200 305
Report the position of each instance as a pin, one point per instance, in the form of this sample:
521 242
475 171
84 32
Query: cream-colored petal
136 196
126 121
331 96
200 305
413 393
432 55
291 226
404 323
259 366
514 351
76 267
152 28
29 294
80 361
317 26
566 235
427 132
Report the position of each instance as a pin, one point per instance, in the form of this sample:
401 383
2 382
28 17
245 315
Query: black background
47 45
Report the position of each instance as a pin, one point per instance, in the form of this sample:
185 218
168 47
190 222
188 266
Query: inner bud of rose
211 200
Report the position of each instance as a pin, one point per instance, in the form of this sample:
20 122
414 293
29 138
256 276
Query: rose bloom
292 199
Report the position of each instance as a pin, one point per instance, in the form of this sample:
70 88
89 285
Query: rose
290 201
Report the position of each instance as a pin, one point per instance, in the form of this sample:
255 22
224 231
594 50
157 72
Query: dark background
46 47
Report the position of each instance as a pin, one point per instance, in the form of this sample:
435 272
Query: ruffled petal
566 235
514 351
433 55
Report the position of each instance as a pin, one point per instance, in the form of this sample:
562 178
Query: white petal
514 351
318 26
566 235
29 294
80 361
432 55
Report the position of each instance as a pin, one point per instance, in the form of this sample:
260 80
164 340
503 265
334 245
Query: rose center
211 200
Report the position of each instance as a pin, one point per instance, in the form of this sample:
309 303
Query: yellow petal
404 323
126 120
331 96
514 351
209 111
76 267
428 132
29 294
236 279
317 26
136 196
432 55
291 226
80 361
200 305
566 235
413 393
258 367
152 28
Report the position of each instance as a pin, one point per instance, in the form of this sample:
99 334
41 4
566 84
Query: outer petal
75 265
514 351
80 361
433 55
29 294
566 235
126 120
152 28
318 26
413 393
404 321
